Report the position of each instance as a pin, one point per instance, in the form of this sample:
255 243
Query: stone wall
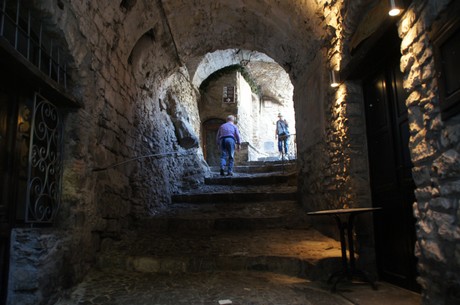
39 263
434 145
211 105
332 153
135 103
245 110
334 166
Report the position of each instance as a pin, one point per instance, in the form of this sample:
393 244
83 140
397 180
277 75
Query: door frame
390 56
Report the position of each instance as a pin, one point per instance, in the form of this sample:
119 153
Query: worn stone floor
242 240
230 287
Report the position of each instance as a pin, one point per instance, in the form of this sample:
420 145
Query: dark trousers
228 152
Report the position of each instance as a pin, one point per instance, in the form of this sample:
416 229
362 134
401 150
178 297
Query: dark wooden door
7 131
210 149
390 169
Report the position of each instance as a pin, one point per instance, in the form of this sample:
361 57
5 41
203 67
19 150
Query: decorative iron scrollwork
45 163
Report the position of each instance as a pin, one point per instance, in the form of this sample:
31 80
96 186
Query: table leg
351 248
345 272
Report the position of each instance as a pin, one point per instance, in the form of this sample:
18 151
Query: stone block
451 189
424 194
451 135
432 250
173 265
448 164
421 175
145 264
407 22
421 150
443 204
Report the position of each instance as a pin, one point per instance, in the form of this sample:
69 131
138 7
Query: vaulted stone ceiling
288 31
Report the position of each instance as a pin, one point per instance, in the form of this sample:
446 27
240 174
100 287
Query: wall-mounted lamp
395 9
335 78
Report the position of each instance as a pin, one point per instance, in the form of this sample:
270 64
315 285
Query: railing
26 34
274 156
292 148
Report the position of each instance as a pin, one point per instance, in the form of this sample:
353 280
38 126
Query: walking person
282 134
228 137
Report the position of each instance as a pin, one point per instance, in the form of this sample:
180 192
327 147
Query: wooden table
345 222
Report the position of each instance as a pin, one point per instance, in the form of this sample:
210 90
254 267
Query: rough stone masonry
132 65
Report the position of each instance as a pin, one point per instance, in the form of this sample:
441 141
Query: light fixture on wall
335 78
395 9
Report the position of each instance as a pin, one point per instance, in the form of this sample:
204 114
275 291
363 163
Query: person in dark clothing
282 134
228 137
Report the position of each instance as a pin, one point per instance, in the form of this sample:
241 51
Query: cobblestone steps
254 167
254 179
186 217
237 196
303 253
249 222
246 241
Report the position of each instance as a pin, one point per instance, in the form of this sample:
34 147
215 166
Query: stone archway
263 90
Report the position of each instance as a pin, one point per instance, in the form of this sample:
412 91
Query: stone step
252 179
238 196
262 167
303 253
189 217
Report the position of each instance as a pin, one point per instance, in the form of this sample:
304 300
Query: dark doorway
4 223
390 173
210 149
8 128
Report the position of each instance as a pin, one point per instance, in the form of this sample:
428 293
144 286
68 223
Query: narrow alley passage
109 112
238 240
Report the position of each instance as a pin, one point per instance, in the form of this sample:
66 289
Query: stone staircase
249 222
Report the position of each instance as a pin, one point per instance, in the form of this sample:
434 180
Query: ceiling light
395 10
335 78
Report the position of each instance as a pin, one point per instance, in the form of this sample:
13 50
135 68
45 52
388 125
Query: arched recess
150 56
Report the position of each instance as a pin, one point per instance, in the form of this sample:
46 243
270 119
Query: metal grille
27 34
45 163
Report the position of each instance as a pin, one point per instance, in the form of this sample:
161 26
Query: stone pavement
239 288
243 240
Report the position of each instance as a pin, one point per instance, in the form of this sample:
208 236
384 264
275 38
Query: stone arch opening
261 89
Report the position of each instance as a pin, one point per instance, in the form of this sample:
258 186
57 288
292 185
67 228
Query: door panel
6 135
390 170
210 149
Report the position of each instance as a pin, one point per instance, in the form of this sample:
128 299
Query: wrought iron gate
45 163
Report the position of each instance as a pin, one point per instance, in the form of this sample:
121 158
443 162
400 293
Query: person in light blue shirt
228 136
282 134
